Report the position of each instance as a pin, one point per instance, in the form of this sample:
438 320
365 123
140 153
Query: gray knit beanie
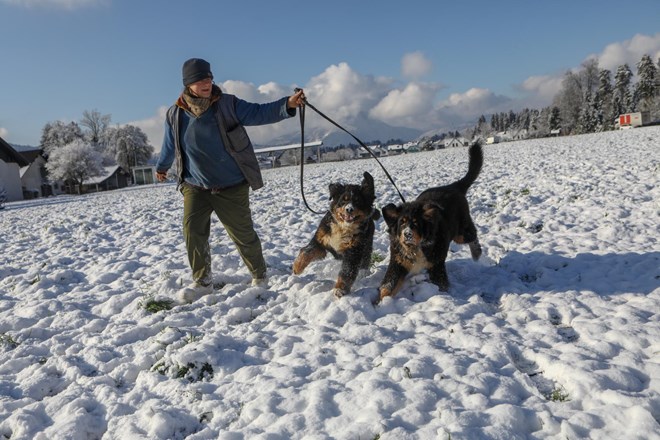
196 69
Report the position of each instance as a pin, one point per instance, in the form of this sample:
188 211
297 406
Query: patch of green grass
376 258
558 394
190 338
182 371
8 340
154 306
194 374
160 368
525 192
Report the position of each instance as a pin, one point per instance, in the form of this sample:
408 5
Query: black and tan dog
421 231
346 231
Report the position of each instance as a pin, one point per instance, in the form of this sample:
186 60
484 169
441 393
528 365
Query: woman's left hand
297 100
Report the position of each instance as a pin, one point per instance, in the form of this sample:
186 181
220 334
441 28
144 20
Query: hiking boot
194 292
260 281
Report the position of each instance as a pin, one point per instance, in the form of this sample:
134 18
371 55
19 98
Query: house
438 145
111 178
33 175
456 142
11 163
411 147
395 149
376 149
519 135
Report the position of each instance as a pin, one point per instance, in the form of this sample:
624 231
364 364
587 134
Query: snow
554 333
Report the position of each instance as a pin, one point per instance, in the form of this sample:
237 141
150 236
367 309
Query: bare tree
96 124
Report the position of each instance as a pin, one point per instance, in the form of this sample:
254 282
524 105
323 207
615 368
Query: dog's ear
431 211
391 214
335 189
367 186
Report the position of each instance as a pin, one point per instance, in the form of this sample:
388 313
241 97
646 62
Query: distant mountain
362 127
20 148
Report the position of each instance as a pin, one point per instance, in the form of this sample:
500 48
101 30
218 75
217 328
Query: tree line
77 152
589 101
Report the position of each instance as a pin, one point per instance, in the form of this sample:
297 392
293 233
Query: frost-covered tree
57 134
554 119
603 102
541 125
588 120
569 101
77 162
646 89
96 124
622 96
128 145
590 77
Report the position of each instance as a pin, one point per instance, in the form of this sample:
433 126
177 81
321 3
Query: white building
456 142
11 163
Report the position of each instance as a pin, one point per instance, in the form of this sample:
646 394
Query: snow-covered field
555 333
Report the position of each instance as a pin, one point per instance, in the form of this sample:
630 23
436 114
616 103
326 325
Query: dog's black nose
349 209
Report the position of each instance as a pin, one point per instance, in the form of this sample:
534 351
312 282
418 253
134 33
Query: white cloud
153 127
474 102
542 88
249 92
409 107
344 93
4 132
415 65
629 51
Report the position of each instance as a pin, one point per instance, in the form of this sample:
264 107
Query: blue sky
419 64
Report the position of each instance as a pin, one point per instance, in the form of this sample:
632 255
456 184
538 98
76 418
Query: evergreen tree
588 120
622 96
555 119
604 106
646 90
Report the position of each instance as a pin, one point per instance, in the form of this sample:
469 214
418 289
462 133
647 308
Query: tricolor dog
346 231
420 231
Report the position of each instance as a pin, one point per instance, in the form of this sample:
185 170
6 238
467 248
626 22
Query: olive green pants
232 206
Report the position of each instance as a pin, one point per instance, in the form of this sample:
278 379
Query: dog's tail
474 168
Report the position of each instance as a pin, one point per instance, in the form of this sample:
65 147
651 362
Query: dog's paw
419 278
338 293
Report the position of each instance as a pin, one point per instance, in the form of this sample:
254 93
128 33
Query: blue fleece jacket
207 163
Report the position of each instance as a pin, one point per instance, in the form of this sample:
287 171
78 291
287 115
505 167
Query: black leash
302 149
302 157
